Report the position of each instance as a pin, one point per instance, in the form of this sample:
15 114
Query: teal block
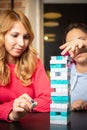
54 113
59 81
59 57
61 99
65 113
60 102
57 65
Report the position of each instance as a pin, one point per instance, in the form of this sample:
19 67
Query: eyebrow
82 38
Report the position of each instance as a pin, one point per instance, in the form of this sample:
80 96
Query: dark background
71 13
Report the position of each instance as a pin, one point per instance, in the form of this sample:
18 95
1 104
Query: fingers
72 46
25 96
21 106
64 45
76 108
79 105
24 103
68 47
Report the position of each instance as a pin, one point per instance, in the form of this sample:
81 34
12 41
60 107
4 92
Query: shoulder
38 61
39 64
39 67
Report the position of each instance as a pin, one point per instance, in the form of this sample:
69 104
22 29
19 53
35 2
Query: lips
80 55
18 49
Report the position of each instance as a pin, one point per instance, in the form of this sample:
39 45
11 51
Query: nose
21 41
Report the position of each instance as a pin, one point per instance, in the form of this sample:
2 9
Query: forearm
5 109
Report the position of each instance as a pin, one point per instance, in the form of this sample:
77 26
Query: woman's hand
21 106
79 105
72 46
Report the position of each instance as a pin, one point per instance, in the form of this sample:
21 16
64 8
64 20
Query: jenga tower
60 84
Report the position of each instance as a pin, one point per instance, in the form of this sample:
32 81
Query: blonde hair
26 63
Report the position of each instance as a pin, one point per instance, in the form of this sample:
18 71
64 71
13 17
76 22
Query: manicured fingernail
32 100
34 104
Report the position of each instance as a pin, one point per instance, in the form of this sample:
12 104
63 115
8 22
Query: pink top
39 90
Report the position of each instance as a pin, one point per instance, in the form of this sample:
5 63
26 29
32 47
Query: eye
26 36
14 35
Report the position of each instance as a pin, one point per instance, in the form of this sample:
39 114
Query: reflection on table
41 121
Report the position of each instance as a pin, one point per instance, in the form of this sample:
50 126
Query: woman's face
80 55
16 40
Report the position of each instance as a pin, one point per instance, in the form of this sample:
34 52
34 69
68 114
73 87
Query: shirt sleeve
42 89
5 108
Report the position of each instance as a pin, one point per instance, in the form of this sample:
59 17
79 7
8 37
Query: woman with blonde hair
24 85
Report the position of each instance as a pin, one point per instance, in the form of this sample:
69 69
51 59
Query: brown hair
81 26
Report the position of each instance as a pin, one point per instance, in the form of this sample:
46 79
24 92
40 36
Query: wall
6 4
65 1
34 10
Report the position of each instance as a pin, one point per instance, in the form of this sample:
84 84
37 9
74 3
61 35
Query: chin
16 56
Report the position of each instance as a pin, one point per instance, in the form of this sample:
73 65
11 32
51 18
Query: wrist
11 116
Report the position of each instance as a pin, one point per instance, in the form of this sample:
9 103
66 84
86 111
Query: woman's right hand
21 106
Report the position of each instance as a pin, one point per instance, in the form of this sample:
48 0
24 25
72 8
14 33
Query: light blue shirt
78 85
